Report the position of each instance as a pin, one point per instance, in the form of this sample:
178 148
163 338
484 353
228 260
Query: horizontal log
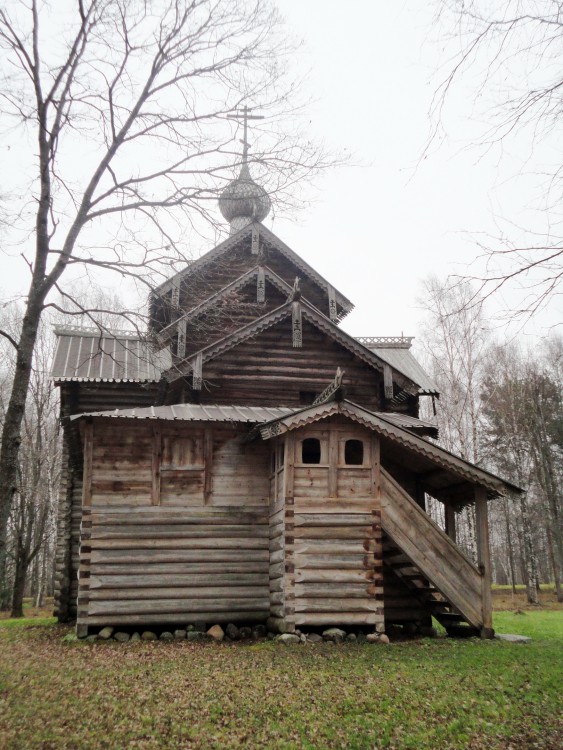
337 605
336 575
331 532
180 531
333 519
180 544
331 590
185 593
338 618
195 569
179 556
226 514
326 505
177 606
326 561
151 580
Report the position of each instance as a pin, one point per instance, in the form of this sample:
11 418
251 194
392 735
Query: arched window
311 451
354 453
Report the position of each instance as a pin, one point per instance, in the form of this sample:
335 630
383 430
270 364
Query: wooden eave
167 334
447 461
272 240
275 316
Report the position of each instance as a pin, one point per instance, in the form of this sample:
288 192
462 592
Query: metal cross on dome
244 115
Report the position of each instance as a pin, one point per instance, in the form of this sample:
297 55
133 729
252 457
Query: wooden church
248 461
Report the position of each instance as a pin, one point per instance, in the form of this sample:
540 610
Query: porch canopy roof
438 472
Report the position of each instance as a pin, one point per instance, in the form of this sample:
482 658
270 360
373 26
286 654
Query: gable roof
275 316
387 425
166 334
88 354
275 242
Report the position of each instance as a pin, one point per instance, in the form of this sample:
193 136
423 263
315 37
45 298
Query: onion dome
244 201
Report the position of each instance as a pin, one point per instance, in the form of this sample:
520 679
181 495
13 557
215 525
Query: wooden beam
484 559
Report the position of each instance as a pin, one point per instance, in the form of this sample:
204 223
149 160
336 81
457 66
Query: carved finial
333 391
295 293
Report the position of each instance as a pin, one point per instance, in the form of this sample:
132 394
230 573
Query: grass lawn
438 694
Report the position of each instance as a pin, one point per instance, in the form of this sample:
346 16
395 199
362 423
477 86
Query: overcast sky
377 230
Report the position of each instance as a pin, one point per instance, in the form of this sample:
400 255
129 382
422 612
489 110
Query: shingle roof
88 354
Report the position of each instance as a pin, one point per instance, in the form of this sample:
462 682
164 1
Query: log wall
194 556
328 536
268 370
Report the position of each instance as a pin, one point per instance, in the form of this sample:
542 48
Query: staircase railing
431 550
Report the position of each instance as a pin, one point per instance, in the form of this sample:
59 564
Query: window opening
311 451
354 453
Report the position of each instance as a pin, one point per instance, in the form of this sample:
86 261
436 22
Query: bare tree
454 339
510 53
121 109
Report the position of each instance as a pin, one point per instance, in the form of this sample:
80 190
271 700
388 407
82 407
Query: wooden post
388 381
484 560
450 522
332 463
376 533
208 466
156 461
87 476
289 538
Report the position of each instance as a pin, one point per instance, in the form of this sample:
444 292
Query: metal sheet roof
401 359
407 422
197 413
85 354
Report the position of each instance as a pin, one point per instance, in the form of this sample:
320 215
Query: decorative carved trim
255 245
386 342
332 310
296 325
181 345
260 285
331 390
197 373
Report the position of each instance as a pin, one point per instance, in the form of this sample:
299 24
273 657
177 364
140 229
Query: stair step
462 631
452 617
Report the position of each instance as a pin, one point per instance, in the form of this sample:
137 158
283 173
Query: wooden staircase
427 597
445 583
